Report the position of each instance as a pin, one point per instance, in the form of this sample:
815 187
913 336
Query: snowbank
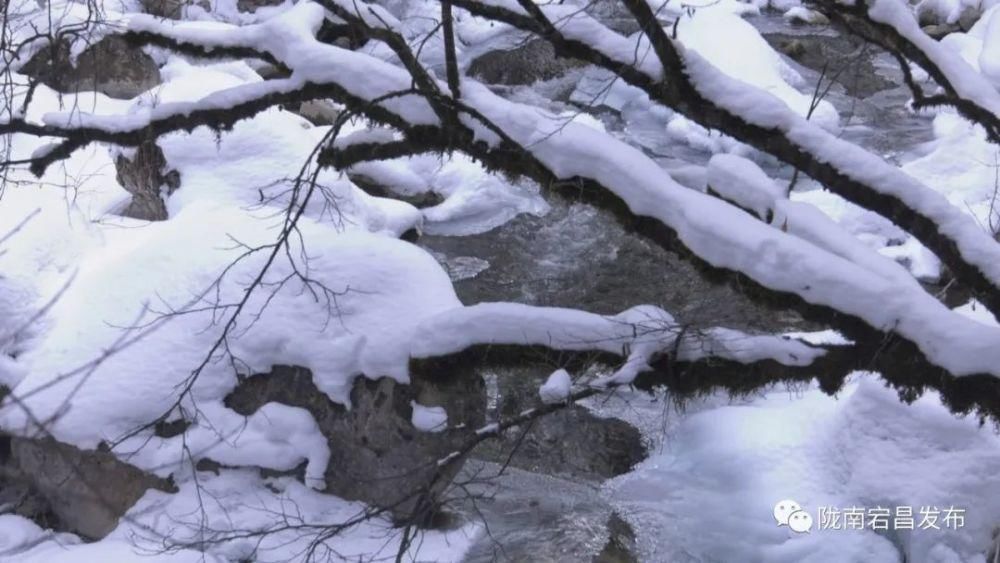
709 494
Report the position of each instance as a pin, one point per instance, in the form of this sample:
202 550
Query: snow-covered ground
708 493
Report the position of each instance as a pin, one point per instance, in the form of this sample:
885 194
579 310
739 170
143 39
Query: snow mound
709 495
556 388
366 297
428 419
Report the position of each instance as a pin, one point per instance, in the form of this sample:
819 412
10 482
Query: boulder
621 546
110 66
969 16
377 455
535 60
804 16
859 78
937 31
74 490
172 9
145 175
572 442
253 5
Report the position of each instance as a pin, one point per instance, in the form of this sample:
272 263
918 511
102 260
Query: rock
937 31
373 188
858 78
80 491
794 49
253 5
318 112
969 16
145 176
614 15
927 15
535 60
377 456
621 546
571 442
111 66
804 16
172 9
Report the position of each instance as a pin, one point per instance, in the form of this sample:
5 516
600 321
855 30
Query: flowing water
578 256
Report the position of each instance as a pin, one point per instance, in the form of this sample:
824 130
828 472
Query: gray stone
839 54
377 456
111 66
572 442
146 177
253 5
807 17
937 31
969 16
927 16
621 547
535 60
80 491
172 9
373 188
318 112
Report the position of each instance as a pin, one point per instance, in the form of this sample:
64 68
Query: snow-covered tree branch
243 291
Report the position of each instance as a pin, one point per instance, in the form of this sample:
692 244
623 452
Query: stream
579 256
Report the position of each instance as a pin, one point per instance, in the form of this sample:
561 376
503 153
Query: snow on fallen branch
638 334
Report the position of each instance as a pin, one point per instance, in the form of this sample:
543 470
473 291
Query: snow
638 334
976 246
747 57
225 507
801 14
744 56
709 492
950 11
556 388
428 419
989 59
967 83
475 201
741 181
385 287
